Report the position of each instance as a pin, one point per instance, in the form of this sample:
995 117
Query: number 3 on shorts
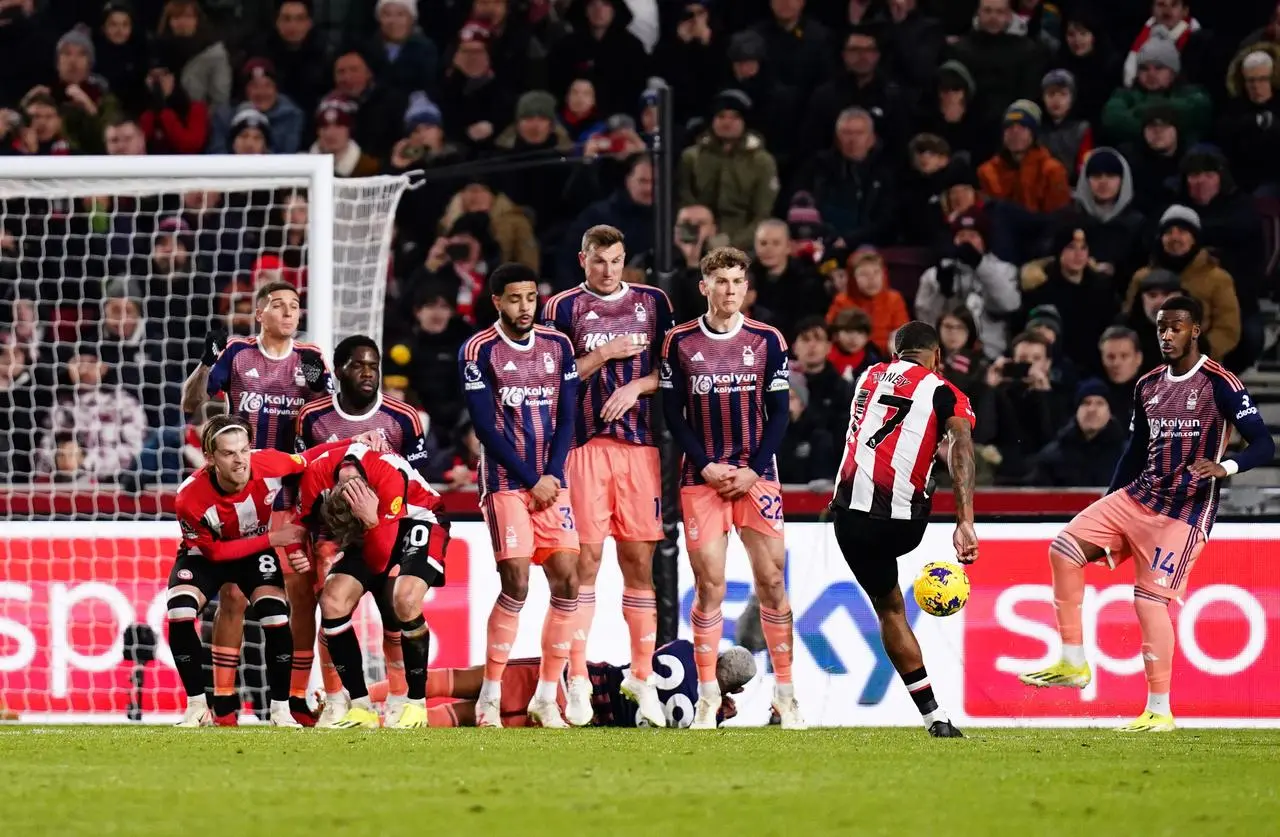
266 564
567 513
1163 561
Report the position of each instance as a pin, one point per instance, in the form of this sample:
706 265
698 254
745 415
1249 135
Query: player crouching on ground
727 403
382 515
1161 503
224 511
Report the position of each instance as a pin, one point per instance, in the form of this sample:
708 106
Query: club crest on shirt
548 362
748 356
641 314
1193 398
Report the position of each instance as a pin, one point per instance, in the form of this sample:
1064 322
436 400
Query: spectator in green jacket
1157 82
729 170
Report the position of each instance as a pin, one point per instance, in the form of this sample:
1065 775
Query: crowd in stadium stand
1035 178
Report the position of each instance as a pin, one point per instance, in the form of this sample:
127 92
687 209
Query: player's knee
515 579
333 604
407 604
771 589
232 602
183 607
273 612
710 591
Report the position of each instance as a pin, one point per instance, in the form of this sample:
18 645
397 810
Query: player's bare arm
960 460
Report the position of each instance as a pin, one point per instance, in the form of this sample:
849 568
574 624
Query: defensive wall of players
67 590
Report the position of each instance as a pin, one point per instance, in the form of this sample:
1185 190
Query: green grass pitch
279 783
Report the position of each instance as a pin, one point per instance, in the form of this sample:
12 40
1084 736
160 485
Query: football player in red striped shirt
902 411
224 511
383 516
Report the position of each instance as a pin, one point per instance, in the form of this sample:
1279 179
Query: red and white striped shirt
898 416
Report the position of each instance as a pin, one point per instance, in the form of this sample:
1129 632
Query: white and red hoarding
67 591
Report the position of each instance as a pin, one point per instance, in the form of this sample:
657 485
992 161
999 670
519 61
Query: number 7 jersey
898 417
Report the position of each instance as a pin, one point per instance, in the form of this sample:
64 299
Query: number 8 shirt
898 416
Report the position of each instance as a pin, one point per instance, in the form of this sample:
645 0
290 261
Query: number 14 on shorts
1163 561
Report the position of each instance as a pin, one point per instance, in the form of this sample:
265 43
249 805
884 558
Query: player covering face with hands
383 516
1160 506
727 396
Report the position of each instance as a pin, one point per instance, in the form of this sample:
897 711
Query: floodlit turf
152 781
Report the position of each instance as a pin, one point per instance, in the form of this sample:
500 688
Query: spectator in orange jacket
870 291
1024 172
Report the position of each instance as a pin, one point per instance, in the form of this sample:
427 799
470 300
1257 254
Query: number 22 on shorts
771 507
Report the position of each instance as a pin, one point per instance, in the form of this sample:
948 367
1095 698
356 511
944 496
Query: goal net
112 272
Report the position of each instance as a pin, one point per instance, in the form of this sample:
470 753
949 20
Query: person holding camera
1030 408
173 123
987 284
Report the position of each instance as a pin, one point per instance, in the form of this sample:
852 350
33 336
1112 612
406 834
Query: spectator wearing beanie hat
1172 25
1084 297
400 56
334 119
729 170
1068 137
1179 251
1157 82
971 274
86 105
1119 242
261 92
250 132
1249 125
1024 173
1087 449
